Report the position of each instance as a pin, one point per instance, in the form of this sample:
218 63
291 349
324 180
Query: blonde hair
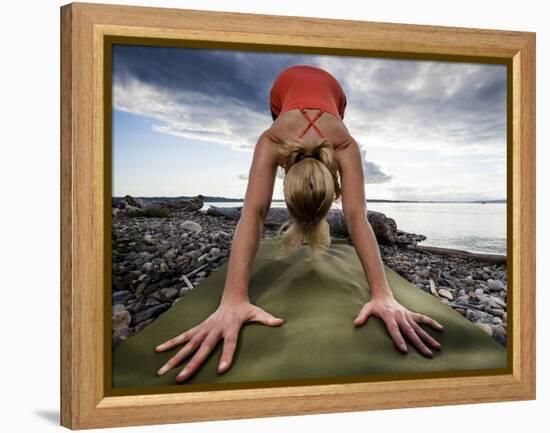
310 186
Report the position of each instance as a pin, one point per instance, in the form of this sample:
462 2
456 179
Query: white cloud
191 115
420 105
451 112
372 171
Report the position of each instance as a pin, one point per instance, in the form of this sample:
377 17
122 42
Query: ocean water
472 227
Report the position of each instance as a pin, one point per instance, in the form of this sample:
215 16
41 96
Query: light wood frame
84 26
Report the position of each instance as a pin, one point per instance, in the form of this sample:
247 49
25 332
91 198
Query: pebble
121 296
486 328
117 308
169 294
150 313
495 285
141 288
120 319
202 258
151 302
497 312
499 332
446 294
191 226
151 256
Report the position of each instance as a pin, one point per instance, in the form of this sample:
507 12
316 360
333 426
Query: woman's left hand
399 319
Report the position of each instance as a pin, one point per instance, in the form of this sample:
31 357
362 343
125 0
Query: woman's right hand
225 323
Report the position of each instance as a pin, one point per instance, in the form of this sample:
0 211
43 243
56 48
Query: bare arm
397 318
235 309
257 201
355 212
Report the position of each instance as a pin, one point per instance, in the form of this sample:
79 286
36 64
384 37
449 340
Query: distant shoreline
212 199
480 243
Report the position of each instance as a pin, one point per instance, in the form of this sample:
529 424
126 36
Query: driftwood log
491 258
384 228
188 205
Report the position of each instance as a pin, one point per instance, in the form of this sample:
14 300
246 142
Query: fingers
424 335
183 353
229 346
393 329
262 316
173 342
413 337
206 347
427 320
363 315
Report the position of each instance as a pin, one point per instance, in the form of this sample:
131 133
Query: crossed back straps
311 122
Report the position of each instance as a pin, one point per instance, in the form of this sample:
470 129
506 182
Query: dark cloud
447 101
223 96
456 102
244 76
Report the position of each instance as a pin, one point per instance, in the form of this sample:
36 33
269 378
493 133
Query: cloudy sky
185 122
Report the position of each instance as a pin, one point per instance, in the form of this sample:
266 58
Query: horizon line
208 199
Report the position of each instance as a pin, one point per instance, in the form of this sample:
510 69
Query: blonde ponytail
310 186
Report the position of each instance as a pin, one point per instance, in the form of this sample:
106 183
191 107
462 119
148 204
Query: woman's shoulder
281 130
344 141
348 154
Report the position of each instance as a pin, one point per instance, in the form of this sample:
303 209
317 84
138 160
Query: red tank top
304 86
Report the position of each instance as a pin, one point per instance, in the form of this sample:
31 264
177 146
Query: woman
312 167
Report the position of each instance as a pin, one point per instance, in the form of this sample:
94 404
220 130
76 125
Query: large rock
127 203
384 228
190 205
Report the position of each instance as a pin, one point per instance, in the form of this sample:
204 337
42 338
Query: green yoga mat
318 297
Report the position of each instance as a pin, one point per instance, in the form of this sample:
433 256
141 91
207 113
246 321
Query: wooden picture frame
85 28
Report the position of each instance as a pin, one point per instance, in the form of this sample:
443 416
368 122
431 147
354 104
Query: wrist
382 292
230 298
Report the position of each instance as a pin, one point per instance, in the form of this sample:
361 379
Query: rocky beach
163 248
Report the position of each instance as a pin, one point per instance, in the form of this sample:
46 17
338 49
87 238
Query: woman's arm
354 208
235 309
248 232
382 304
